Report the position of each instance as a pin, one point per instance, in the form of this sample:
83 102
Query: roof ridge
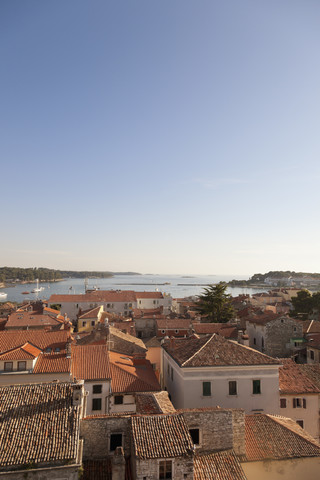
198 351
309 326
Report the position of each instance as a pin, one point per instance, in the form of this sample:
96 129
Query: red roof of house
223 465
272 437
292 379
227 331
214 350
32 319
24 352
53 363
90 362
132 375
173 324
40 338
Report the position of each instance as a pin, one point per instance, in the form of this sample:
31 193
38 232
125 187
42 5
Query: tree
305 304
215 303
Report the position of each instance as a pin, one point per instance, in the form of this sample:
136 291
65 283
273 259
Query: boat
3 295
37 289
25 293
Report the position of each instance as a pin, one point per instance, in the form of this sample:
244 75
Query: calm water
128 282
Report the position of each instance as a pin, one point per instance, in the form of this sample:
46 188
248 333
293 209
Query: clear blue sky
169 136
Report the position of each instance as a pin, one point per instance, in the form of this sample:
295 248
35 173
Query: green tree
305 304
215 303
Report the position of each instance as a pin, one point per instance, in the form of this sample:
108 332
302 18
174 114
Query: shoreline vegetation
11 276
282 278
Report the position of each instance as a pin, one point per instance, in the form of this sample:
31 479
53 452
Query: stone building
274 335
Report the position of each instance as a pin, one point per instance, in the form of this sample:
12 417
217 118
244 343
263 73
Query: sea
179 286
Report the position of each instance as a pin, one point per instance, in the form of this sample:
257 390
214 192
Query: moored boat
3 295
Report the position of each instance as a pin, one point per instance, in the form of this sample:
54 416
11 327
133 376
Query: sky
171 136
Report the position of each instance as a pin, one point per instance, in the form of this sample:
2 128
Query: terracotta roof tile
39 338
292 379
214 350
39 424
92 313
271 437
223 465
227 331
31 319
131 375
175 323
163 436
154 403
53 363
90 362
24 352
312 372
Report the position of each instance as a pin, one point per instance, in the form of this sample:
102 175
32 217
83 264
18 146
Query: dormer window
48 350
57 349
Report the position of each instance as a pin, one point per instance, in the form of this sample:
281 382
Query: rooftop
293 380
90 362
273 437
39 338
129 374
223 465
162 436
214 350
39 425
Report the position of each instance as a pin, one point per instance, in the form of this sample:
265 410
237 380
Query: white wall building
213 371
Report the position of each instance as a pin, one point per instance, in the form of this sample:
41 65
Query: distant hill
16 274
259 278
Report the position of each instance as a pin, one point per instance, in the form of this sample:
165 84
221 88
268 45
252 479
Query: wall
309 415
22 378
145 327
96 435
68 472
104 395
294 469
149 469
128 405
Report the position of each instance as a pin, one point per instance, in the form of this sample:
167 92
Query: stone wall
182 468
69 472
96 435
278 334
220 429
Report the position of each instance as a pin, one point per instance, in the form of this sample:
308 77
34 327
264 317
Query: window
206 389
97 389
130 305
299 403
92 323
22 366
294 329
312 354
176 331
125 306
256 387
118 399
84 323
233 387
48 350
154 302
96 404
195 435
108 305
300 422
163 331
283 403
115 441
57 349
168 369
8 366
165 469
254 341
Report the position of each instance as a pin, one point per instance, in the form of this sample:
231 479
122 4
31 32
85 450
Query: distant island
26 275
280 279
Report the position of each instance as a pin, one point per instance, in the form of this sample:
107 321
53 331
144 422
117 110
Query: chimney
172 343
68 350
118 464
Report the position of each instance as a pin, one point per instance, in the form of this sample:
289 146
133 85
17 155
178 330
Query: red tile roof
214 350
31 319
173 324
39 338
227 331
131 375
164 436
153 403
292 379
312 372
39 425
272 437
24 352
90 362
223 465
53 363
92 313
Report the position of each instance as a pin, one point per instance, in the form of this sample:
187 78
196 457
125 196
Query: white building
122 302
212 371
